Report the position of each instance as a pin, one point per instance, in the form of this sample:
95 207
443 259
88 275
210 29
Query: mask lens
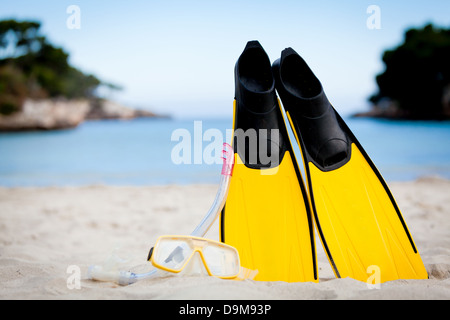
223 261
172 253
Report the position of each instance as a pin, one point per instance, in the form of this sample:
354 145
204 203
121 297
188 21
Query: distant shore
53 114
390 110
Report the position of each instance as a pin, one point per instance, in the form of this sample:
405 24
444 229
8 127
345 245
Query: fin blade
361 227
266 219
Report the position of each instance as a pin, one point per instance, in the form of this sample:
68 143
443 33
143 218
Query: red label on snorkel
228 160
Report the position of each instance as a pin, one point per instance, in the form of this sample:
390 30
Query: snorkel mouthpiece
122 278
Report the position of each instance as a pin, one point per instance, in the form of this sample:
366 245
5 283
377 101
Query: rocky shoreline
390 109
53 114
399 115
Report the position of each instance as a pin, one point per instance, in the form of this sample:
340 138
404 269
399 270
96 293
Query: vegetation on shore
31 67
416 81
40 90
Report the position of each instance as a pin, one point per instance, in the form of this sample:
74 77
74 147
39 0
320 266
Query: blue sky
177 57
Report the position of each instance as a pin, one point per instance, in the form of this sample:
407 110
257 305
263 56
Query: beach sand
44 232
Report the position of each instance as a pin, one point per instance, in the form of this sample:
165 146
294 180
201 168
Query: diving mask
175 253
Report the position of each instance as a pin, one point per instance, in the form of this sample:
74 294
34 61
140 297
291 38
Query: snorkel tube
111 274
222 193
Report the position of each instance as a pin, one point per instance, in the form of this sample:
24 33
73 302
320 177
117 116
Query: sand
48 234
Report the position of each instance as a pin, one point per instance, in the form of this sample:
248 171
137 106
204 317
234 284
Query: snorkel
222 193
110 273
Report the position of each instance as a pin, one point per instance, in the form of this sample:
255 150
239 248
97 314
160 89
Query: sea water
141 152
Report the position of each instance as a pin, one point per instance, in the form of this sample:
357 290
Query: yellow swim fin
267 216
359 223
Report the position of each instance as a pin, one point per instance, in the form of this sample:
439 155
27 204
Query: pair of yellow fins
271 213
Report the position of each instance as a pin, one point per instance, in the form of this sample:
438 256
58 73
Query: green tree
13 89
417 73
32 67
18 38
